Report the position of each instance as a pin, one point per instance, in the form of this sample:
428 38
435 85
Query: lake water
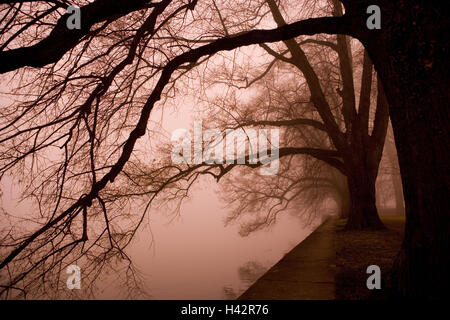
196 257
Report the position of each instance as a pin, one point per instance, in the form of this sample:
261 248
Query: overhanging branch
61 39
330 25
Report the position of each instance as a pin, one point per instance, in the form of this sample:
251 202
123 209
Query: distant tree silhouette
354 134
98 85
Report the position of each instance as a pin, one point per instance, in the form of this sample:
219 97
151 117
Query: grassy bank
356 250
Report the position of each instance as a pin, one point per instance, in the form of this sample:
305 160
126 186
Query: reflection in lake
196 257
248 274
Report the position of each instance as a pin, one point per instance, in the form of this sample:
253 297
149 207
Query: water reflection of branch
248 274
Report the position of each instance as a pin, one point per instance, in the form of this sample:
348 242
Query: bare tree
85 86
355 133
73 133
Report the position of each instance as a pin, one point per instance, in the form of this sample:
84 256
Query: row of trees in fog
78 103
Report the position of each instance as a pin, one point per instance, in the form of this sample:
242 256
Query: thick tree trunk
422 268
363 213
410 53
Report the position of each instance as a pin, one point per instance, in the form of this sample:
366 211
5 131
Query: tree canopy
79 100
